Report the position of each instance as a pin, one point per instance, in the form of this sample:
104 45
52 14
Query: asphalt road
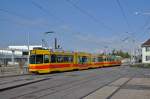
71 85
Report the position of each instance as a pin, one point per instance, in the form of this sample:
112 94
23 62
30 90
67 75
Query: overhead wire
92 17
60 20
130 34
36 4
12 13
39 6
124 15
26 19
46 11
143 29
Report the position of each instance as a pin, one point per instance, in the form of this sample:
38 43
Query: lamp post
132 48
46 33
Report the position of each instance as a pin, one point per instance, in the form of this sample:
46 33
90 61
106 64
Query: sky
79 25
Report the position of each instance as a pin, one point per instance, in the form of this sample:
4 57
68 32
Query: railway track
18 78
18 81
66 86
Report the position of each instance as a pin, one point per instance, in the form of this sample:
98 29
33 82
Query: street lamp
46 33
49 32
142 13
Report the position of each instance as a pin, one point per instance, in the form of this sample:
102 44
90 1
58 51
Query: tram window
46 58
68 58
60 59
53 58
105 59
84 59
100 59
80 60
39 59
32 59
110 59
94 59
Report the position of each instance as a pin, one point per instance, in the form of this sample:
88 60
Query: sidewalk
6 85
137 88
124 88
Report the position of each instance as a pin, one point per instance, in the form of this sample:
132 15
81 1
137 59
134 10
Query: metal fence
16 64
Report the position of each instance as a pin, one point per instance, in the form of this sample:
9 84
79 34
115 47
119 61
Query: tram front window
32 59
36 59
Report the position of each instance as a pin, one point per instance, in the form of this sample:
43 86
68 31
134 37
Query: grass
141 65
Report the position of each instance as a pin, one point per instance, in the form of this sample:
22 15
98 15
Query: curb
14 75
23 84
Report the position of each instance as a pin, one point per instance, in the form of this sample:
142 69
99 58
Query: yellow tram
46 61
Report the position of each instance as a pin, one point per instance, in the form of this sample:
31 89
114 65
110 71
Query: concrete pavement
108 90
137 88
103 83
14 83
124 88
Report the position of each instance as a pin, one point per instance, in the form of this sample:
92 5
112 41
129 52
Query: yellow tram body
46 61
97 61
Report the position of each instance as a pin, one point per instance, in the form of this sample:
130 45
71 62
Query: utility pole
12 57
56 47
131 40
28 60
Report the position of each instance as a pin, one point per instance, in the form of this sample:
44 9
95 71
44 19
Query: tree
120 53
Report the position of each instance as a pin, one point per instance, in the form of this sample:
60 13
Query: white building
12 53
146 52
24 47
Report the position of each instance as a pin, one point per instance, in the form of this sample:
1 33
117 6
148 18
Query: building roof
147 43
24 47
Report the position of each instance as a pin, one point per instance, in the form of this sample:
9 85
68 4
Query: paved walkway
124 88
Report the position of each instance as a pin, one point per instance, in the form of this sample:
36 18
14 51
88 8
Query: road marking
132 94
140 81
119 82
108 90
102 93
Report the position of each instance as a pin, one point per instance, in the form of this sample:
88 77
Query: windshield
36 59
39 59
